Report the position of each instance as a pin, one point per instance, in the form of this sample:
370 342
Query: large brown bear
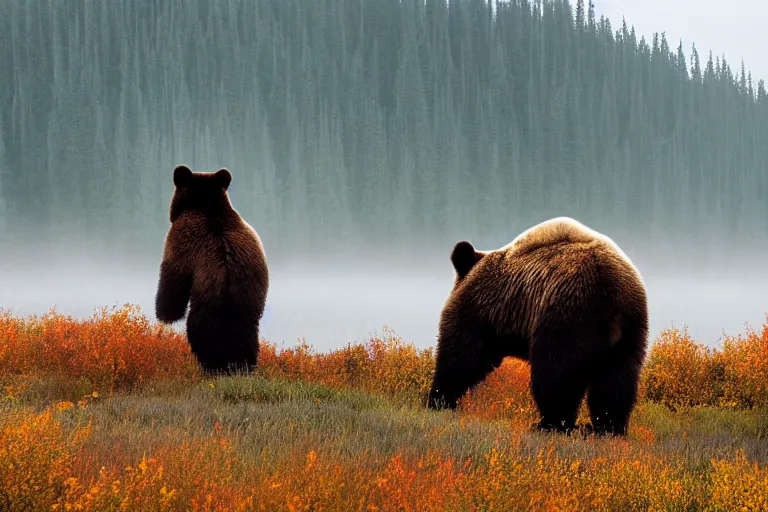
215 261
561 296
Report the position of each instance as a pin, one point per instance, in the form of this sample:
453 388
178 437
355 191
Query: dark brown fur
214 261
561 296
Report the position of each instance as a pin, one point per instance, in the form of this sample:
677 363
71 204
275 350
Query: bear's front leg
173 289
463 360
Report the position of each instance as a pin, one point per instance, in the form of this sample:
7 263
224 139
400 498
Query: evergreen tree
373 120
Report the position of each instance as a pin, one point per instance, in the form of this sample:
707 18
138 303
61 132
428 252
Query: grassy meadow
112 413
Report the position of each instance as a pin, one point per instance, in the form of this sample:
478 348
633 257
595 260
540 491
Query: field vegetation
112 413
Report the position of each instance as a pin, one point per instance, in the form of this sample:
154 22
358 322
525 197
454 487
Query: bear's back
226 256
558 262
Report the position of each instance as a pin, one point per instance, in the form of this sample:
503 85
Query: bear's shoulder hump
553 231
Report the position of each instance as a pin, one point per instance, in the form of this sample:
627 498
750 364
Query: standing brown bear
215 261
561 296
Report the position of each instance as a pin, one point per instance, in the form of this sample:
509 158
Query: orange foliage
549 481
36 459
382 365
207 474
46 464
743 362
682 373
679 372
114 349
120 349
739 485
505 393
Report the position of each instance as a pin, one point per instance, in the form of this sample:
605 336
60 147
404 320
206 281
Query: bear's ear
464 257
181 176
223 178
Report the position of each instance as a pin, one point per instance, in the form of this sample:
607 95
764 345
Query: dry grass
112 414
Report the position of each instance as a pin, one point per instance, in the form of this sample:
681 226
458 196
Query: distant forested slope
366 120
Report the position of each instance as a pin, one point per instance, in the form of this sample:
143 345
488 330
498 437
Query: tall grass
112 413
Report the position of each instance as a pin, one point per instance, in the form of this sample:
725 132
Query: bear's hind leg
613 388
205 341
559 368
223 343
244 353
558 396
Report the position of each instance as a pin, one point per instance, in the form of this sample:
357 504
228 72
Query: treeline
368 120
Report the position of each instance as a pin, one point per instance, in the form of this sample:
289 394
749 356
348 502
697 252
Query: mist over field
341 299
365 139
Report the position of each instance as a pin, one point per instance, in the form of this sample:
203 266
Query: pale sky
736 28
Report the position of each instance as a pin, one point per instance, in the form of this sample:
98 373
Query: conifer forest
374 121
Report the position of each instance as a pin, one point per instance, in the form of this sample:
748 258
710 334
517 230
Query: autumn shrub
743 362
36 458
119 348
679 372
197 474
217 480
206 473
384 364
505 393
114 349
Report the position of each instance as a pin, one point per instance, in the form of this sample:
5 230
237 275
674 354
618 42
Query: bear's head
464 257
205 192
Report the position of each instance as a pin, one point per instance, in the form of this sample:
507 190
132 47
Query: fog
332 305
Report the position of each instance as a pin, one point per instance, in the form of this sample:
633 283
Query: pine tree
695 66
580 14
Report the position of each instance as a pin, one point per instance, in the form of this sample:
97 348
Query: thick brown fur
561 296
214 261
